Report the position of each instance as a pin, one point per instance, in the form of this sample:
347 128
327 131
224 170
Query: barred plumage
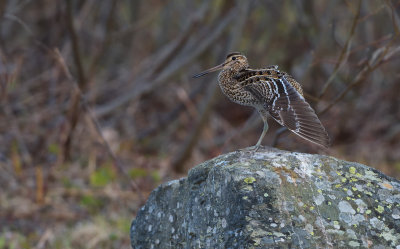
271 92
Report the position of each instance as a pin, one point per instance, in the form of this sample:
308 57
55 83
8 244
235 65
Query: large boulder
272 199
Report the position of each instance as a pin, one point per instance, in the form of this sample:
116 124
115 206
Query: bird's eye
233 58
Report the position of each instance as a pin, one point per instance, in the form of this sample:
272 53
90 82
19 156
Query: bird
271 92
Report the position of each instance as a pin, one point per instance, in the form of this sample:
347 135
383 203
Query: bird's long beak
213 69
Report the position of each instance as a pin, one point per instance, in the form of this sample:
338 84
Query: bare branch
88 111
344 54
380 56
73 112
187 147
145 86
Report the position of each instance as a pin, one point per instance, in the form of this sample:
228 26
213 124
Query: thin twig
380 56
107 40
172 115
10 117
93 119
60 60
344 54
73 112
395 17
179 43
186 149
340 62
188 145
252 122
145 86
75 46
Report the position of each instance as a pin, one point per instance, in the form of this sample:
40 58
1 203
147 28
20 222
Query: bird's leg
265 129
264 117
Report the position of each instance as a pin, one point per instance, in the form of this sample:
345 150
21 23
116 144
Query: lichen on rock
272 199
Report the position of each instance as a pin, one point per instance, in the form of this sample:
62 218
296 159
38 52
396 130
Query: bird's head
234 61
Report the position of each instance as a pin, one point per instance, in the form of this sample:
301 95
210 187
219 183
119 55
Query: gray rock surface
272 199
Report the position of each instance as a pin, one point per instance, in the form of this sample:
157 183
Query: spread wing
288 107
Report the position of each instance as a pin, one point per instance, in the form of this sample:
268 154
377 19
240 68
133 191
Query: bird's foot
252 149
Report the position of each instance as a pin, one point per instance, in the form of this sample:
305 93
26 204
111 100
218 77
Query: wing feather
288 107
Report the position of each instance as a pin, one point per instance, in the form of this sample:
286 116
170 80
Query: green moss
248 188
380 209
352 170
92 203
137 173
53 149
102 176
249 180
155 175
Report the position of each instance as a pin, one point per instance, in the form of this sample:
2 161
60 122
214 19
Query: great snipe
272 91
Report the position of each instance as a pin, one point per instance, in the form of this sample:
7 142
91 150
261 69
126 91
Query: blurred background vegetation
98 106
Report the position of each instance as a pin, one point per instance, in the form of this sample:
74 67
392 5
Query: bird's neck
227 76
227 80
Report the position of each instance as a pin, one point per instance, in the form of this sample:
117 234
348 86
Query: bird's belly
239 96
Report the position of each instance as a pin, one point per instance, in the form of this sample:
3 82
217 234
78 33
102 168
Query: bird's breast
231 87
